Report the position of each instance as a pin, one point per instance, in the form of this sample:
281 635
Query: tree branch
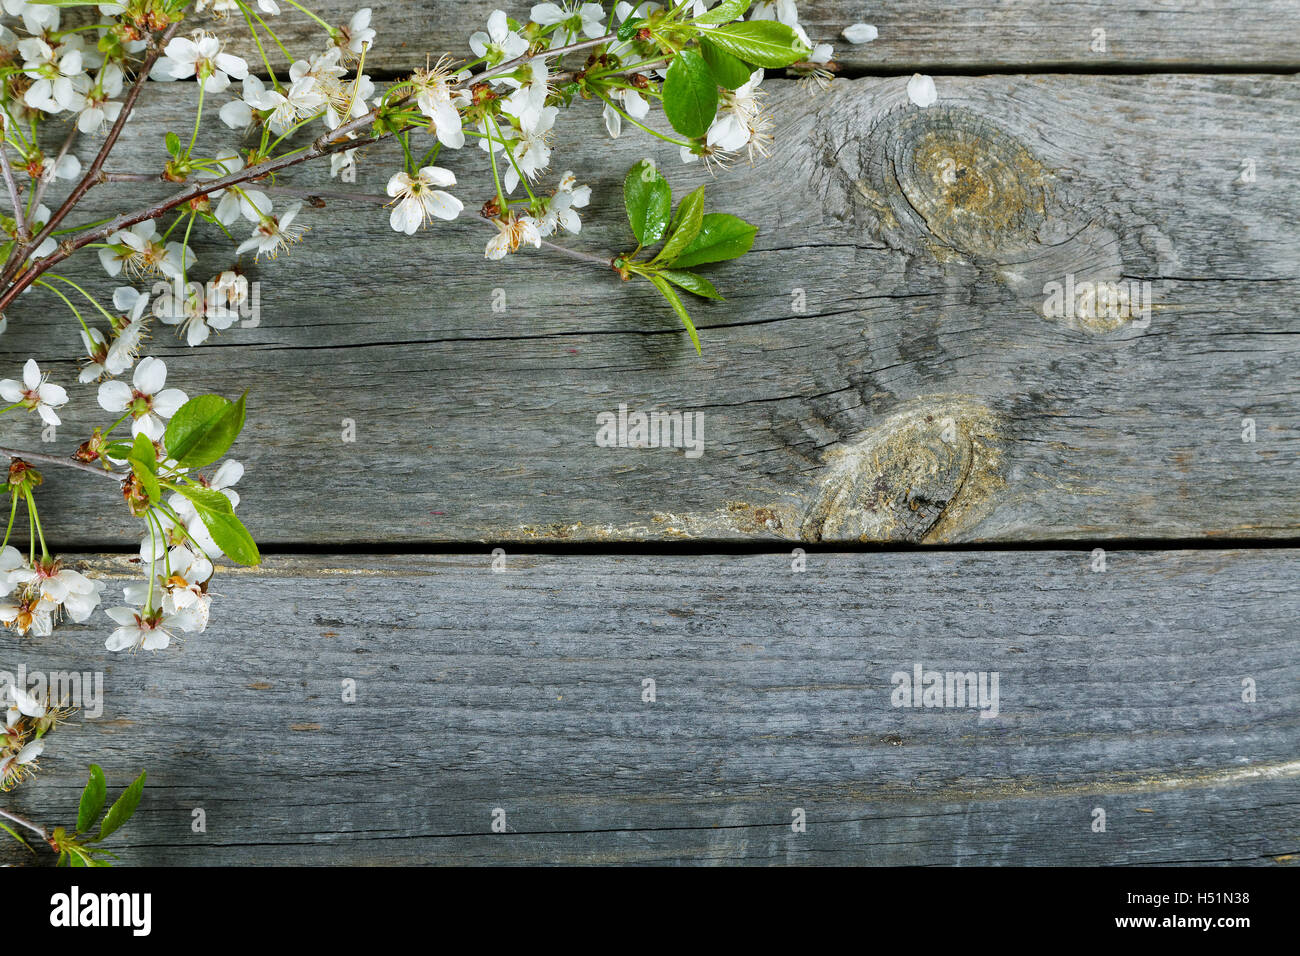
15 818
64 462
329 142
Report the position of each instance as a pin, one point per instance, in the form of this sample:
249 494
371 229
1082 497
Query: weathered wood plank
922 394
523 690
914 34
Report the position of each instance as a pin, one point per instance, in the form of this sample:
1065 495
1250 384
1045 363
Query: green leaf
629 28
727 70
123 807
690 94
207 498
92 799
691 283
760 42
690 215
231 536
675 301
721 236
142 448
148 480
724 12
649 202
173 144
203 429
144 462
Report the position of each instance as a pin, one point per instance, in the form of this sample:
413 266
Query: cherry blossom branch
523 58
330 142
375 199
91 178
323 146
22 822
56 460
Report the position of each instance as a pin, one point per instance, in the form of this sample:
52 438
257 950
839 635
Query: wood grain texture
523 690
922 393
935 35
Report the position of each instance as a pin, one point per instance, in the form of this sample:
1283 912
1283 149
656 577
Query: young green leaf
123 807
691 282
148 480
142 448
690 94
173 144
92 799
649 202
760 42
207 499
727 70
231 536
721 236
629 27
675 301
724 12
206 431
690 215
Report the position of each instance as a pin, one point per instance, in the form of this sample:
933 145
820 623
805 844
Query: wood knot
922 474
958 179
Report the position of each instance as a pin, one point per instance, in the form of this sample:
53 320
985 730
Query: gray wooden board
914 34
522 690
921 393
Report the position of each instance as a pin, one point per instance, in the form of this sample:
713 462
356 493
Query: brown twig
22 822
64 462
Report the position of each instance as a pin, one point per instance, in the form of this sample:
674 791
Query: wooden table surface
907 461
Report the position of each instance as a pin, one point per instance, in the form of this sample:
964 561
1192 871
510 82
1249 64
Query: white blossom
499 42
418 198
587 18
35 393
199 57
511 234
273 234
147 400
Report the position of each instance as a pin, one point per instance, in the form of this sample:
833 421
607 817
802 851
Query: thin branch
20 218
91 178
49 178
40 831
378 200
523 58
57 460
